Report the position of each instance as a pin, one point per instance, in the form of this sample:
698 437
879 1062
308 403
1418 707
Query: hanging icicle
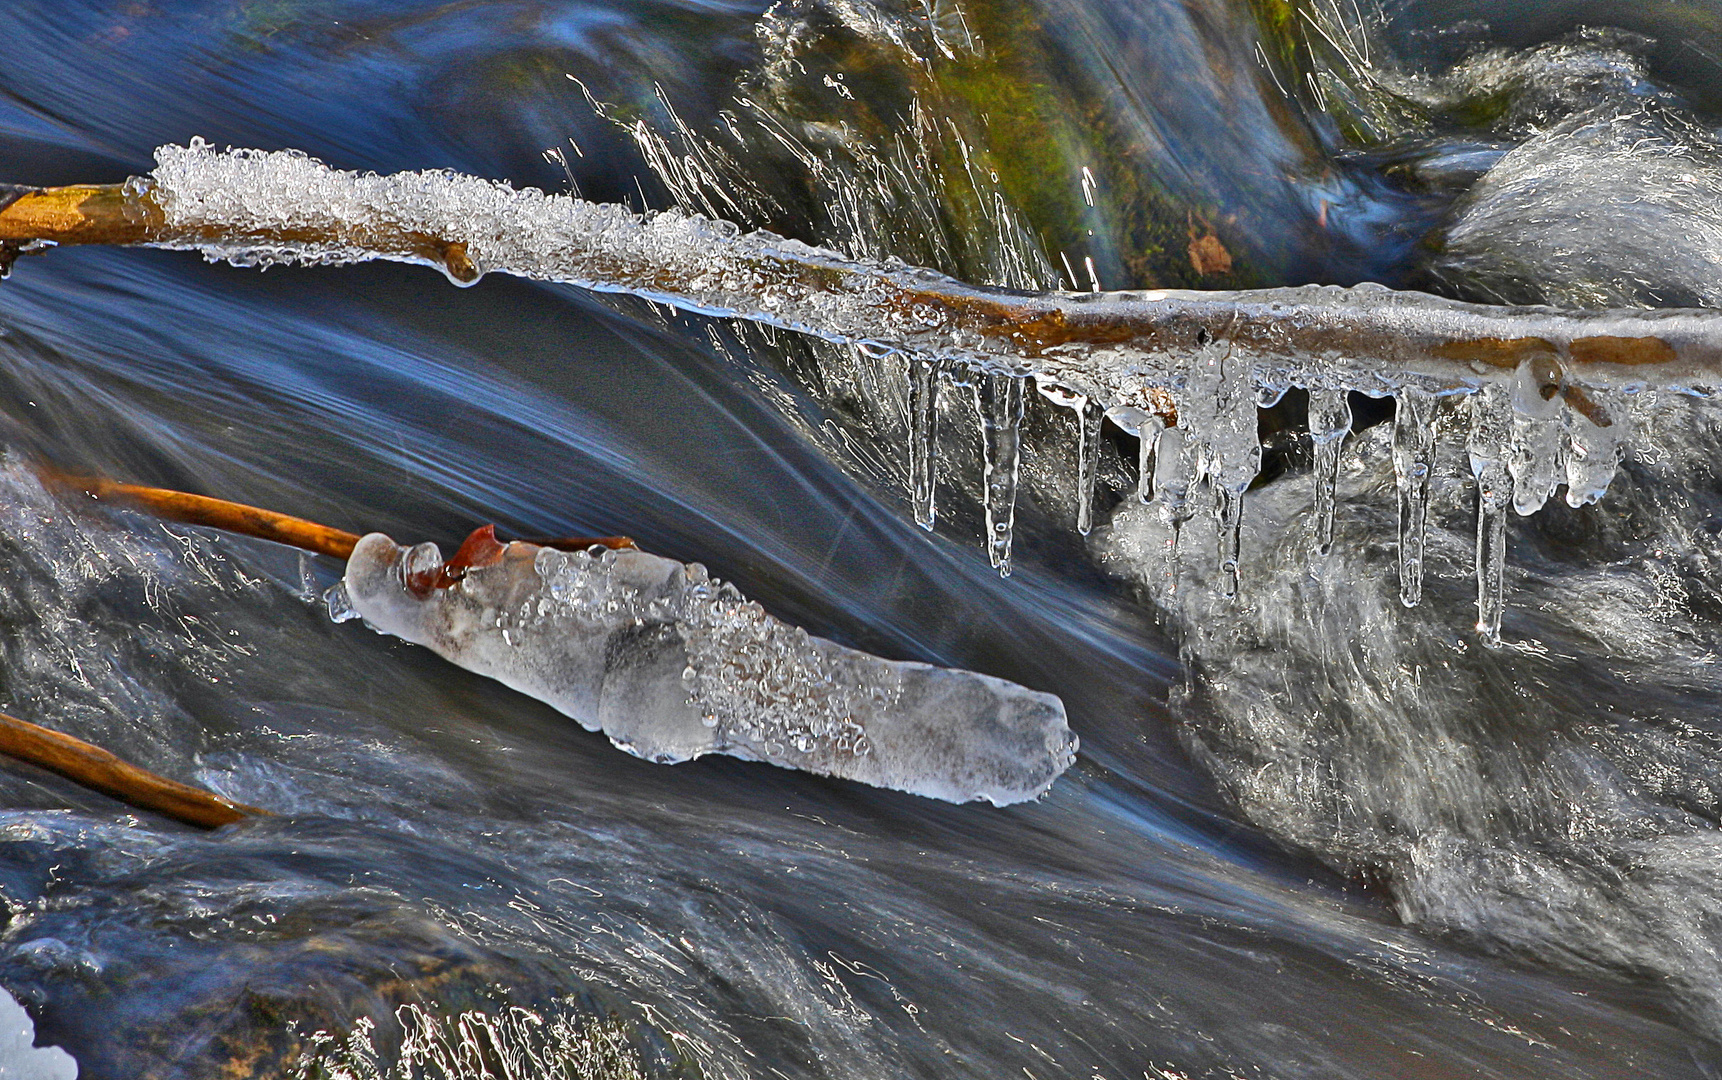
999 398
1536 461
1088 418
1488 445
1148 436
1413 451
1329 424
923 438
1597 429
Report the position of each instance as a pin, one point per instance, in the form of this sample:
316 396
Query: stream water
1311 832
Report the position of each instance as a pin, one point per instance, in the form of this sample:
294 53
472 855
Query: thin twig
91 766
216 513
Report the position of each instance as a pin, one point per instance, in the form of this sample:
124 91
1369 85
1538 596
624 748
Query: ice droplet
339 603
422 559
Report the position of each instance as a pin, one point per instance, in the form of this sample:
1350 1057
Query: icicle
1174 474
1230 511
1233 452
1489 445
923 438
1596 432
1175 464
1535 461
1146 426
1148 456
1088 417
1413 448
1329 423
999 399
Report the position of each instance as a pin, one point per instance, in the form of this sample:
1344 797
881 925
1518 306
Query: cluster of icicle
672 664
1549 388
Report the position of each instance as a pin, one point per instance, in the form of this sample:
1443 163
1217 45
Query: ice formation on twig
1195 364
672 664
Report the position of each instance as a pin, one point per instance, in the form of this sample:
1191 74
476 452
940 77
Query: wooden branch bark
215 513
257 522
92 767
77 214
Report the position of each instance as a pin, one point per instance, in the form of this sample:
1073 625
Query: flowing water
1312 831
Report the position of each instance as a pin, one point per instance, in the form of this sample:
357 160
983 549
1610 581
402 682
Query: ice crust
1201 361
20 1057
672 664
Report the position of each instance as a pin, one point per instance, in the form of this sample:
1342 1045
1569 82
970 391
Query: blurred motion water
1357 845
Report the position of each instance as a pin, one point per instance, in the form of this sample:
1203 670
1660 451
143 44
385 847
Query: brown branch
31 218
92 767
256 522
579 543
1113 348
79 214
216 513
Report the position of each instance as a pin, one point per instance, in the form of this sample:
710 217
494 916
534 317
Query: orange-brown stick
218 514
95 768
79 214
263 524
579 543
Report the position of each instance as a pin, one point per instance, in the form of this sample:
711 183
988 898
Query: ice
672 665
1538 432
20 1057
1174 469
1221 448
1489 445
999 399
924 439
1596 434
1088 418
1126 355
1413 451
1329 424
1149 434
340 605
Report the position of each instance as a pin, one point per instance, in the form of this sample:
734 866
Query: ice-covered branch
668 662
1201 360
258 208
673 665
